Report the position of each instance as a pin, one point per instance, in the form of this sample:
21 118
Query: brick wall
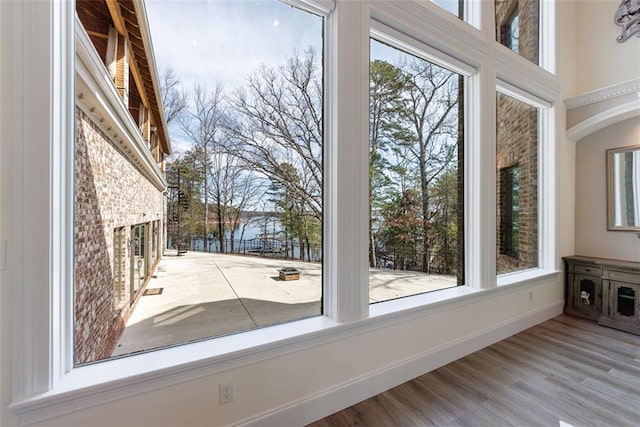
529 12
109 193
517 143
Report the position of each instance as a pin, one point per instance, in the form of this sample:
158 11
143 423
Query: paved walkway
204 295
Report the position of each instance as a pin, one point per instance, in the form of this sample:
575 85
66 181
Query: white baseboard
327 402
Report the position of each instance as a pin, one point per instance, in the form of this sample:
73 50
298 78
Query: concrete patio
200 295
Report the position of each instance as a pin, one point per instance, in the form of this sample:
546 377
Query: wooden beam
116 16
133 65
112 51
97 34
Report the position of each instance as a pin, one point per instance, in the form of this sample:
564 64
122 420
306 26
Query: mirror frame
610 202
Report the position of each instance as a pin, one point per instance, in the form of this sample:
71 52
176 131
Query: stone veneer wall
517 143
109 193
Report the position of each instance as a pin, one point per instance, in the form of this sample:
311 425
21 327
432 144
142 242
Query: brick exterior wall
517 143
529 12
110 193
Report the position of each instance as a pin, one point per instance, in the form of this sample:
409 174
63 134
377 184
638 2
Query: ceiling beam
116 16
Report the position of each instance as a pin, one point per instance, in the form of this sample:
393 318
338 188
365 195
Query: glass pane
415 173
517 27
626 301
454 6
517 185
233 241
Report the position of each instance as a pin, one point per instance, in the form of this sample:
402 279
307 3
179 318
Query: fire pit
289 273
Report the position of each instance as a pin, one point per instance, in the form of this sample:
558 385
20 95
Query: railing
262 247
433 263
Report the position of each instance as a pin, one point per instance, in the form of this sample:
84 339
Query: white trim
319 7
348 163
609 105
99 99
521 95
433 26
547 195
605 93
35 158
388 35
547 35
473 13
313 408
519 72
601 120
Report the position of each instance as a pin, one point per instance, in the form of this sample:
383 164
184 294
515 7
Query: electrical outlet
225 392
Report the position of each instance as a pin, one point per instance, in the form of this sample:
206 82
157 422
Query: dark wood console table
604 290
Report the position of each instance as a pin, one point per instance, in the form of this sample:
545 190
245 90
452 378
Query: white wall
6 418
393 354
567 68
602 60
592 236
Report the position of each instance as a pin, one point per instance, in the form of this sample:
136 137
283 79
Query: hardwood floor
563 372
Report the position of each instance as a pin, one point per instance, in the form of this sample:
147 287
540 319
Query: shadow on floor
194 322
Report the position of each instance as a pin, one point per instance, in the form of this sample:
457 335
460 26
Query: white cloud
210 41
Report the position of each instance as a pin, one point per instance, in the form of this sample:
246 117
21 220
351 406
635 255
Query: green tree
184 202
386 104
413 140
400 230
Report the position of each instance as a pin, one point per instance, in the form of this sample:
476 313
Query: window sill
96 384
525 276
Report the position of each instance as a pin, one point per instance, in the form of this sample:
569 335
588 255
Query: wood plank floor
563 372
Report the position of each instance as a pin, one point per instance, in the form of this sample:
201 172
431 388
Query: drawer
620 276
587 269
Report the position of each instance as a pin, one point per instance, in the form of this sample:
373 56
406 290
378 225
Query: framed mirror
623 188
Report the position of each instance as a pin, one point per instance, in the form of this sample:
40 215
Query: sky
213 42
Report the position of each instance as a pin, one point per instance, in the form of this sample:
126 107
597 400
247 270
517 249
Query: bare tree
277 121
232 189
174 99
433 97
201 122
245 193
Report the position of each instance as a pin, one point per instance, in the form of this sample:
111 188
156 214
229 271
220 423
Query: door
138 262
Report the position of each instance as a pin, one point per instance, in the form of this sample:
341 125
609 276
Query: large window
415 148
244 182
517 179
307 179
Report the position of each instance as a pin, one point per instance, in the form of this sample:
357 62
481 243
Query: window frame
507 174
46 384
507 29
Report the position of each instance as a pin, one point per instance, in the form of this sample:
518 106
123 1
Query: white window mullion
547 198
346 274
43 36
480 166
